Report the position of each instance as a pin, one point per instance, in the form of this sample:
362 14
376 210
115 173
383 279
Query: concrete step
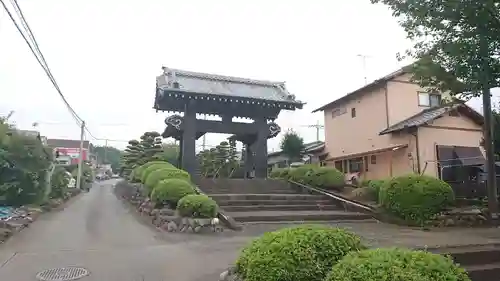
289 197
249 191
475 255
481 262
266 216
301 207
485 272
244 202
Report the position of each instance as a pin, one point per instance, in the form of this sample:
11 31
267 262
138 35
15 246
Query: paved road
99 233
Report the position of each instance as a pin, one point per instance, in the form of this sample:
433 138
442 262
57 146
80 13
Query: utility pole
363 59
204 144
318 127
106 152
80 159
488 126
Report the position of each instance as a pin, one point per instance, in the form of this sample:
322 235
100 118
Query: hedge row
323 177
169 186
316 253
414 198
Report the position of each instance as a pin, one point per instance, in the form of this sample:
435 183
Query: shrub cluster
167 185
299 253
321 253
415 198
323 177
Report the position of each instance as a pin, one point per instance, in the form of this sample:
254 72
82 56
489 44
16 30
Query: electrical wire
39 57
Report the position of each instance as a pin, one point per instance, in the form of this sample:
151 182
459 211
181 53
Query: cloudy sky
105 55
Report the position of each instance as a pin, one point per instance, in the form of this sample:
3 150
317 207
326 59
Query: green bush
300 174
170 191
276 173
305 252
396 264
163 174
140 170
415 198
147 171
326 177
197 206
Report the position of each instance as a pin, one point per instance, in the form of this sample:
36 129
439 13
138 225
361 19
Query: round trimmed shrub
396 264
146 172
276 173
141 168
197 206
415 198
306 252
170 191
163 174
326 177
300 174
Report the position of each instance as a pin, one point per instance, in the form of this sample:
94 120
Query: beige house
393 127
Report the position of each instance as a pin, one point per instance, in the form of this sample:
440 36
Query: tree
130 157
150 147
455 43
109 155
169 153
24 162
292 146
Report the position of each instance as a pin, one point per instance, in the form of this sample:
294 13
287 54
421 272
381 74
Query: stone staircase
266 200
481 262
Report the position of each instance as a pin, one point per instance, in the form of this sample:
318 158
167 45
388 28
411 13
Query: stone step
301 207
226 202
289 197
474 255
485 272
481 262
266 216
244 190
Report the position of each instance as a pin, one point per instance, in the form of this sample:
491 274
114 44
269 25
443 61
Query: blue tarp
6 212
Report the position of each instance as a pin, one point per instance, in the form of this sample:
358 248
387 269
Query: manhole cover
62 274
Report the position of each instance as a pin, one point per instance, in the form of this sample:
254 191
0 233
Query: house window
353 112
355 165
366 163
429 100
373 159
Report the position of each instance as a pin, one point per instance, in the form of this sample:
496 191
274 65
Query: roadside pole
48 182
488 129
80 159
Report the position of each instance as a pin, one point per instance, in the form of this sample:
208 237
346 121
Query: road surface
99 233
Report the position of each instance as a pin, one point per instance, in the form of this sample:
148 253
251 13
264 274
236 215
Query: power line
39 57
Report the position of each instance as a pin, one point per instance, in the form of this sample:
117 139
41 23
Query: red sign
73 153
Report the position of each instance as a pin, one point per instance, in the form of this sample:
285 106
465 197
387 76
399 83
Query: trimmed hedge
162 174
323 177
396 264
415 198
147 171
197 206
305 252
170 191
326 177
141 168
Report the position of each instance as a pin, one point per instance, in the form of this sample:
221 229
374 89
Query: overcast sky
105 55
